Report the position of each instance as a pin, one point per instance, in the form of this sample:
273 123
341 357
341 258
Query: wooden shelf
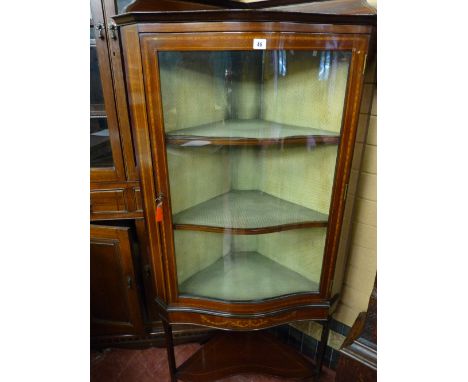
245 276
231 353
250 132
248 212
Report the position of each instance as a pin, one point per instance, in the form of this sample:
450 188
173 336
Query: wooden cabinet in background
114 186
118 301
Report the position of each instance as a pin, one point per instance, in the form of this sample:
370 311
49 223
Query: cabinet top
352 12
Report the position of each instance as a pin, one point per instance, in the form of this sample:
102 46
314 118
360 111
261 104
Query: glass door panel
120 5
101 150
251 142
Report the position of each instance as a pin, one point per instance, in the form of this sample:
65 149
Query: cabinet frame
145 104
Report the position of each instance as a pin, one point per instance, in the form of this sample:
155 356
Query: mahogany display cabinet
244 126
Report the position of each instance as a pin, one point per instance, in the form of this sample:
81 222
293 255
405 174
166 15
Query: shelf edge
249 231
313 140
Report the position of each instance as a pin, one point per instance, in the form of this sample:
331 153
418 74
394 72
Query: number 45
259 43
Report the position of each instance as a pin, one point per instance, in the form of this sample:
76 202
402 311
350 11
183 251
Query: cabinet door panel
115 307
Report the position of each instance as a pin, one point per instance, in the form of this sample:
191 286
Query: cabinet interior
249 267
252 140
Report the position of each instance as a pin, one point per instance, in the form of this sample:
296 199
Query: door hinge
113 30
364 65
345 192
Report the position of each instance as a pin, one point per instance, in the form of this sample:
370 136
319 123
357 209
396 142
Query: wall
362 260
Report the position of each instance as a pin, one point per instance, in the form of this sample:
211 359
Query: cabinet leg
322 347
170 350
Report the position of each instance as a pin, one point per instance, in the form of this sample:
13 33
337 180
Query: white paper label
259 43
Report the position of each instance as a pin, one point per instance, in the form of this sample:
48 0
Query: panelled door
115 307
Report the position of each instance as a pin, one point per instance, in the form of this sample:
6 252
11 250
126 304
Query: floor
128 365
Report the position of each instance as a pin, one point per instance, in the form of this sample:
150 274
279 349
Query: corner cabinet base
244 352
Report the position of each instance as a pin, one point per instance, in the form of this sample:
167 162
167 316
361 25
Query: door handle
129 282
113 30
100 28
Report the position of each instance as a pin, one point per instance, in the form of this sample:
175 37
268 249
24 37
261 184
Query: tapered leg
170 350
322 347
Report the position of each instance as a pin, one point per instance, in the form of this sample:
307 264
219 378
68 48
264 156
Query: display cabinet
244 134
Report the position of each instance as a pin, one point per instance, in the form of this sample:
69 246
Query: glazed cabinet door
115 306
105 147
255 132
112 8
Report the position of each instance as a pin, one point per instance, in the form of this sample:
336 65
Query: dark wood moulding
349 7
250 231
243 15
314 140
